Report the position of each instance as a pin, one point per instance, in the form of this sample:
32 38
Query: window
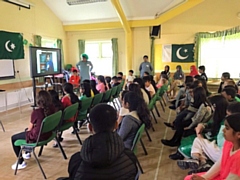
100 54
50 43
220 54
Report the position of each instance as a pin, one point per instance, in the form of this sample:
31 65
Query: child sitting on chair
75 79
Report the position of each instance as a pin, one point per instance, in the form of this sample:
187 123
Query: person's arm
179 94
198 117
90 63
214 170
140 67
151 68
125 128
66 101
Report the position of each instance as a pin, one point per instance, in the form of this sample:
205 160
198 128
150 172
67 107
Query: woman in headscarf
85 67
193 71
177 80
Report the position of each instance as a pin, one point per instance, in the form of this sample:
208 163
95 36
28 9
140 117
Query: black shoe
170 143
176 156
55 145
168 125
73 132
60 139
172 107
188 164
202 168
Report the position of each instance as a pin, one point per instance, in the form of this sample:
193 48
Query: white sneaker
26 155
20 166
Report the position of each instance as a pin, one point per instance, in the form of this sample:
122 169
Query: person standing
85 67
145 66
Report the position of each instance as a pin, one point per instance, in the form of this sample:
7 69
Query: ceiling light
76 2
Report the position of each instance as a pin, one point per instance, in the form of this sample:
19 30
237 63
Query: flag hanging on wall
11 45
178 53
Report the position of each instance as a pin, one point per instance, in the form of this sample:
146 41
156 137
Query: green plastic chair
97 99
49 124
136 140
186 146
107 96
113 96
68 113
151 106
85 106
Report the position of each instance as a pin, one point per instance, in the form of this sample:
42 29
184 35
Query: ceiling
105 11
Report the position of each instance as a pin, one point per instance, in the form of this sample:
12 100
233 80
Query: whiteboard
6 68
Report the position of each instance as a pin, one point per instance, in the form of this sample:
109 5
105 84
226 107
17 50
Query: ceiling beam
135 23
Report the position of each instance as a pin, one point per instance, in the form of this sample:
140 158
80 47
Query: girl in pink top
101 86
228 166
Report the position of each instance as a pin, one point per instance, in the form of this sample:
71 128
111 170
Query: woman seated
101 84
93 85
227 166
45 108
193 71
123 111
146 94
138 114
68 99
85 91
163 81
199 111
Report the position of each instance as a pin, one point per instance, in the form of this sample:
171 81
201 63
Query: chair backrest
137 138
119 89
51 122
70 111
107 95
114 91
86 104
97 99
162 90
152 102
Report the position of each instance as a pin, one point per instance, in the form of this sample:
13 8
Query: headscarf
234 121
85 56
194 71
179 73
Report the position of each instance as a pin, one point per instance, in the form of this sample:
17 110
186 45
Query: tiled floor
156 165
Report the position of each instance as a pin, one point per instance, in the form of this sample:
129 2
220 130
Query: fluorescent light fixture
77 2
20 3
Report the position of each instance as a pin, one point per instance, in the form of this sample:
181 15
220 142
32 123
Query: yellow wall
39 20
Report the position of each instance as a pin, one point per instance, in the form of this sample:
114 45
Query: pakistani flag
178 53
11 45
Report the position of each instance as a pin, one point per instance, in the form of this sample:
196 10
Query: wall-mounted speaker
155 31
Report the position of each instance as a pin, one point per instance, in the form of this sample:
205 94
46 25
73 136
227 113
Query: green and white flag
11 45
178 53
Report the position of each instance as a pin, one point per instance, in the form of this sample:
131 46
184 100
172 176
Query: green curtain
152 58
81 47
60 46
217 34
115 56
37 40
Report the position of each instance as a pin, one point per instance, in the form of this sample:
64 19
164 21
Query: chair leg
61 149
154 117
79 140
162 105
148 135
139 166
2 126
165 104
15 173
153 128
144 149
157 110
40 151
39 165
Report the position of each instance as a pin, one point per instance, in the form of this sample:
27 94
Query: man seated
229 93
115 81
75 79
103 155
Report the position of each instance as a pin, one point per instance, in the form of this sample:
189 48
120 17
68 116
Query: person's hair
68 88
135 88
199 97
234 107
55 99
44 101
163 75
123 94
120 73
189 86
198 77
147 73
142 86
114 78
145 56
226 75
188 79
146 79
231 82
167 66
108 79
75 71
220 104
234 121
179 66
196 83
86 81
86 89
102 80
230 91
204 85
136 103
93 87
119 78
131 71
202 68
103 118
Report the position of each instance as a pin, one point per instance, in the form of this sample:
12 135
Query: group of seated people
207 126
